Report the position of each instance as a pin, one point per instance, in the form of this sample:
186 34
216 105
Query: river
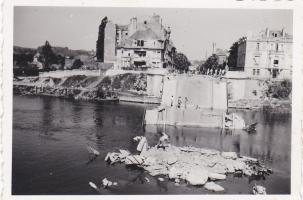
50 136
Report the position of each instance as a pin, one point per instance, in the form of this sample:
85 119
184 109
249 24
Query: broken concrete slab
142 146
229 155
194 165
196 176
216 176
134 160
259 190
107 183
211 186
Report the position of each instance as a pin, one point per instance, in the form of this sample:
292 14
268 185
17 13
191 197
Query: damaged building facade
267 55
143 43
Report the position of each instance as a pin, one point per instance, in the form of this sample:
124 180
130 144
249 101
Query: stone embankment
126 87
194 166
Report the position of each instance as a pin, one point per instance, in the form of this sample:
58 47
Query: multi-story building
143 43
222 56
267 55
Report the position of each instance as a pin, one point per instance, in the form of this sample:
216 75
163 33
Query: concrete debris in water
117 157
229 155
134 160
211 186
142 146
93 185
107 183
196 176
234 121
258 189
196 166
92 150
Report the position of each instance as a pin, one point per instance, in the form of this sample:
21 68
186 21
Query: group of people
215 72
179 102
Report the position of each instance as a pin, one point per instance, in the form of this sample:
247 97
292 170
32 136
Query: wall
202 91
154 85
185 117
241 55
126 57
245 88
66 73
260 53
110 43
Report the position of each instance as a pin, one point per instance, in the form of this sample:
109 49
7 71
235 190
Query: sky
192 30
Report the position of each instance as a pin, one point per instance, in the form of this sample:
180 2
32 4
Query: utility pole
214 44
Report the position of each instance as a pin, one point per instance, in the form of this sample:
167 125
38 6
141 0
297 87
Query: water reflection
51 135
270 143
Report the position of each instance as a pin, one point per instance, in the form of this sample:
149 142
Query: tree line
23 60
212 63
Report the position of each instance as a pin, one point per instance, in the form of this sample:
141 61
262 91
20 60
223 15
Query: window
258 71
145 22
258 46
277 47
276 62
126 33
257 60
140 43
254 71
140 53
128 54
276 34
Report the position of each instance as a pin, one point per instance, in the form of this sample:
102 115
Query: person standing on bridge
179 102
185 102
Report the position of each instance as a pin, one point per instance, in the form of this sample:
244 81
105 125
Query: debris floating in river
93 185
258 189
92 151
107 183
196 166
211 186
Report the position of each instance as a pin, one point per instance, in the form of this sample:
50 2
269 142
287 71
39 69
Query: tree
47 56
100 41
61 61
181 62
77 64
212 62
233 53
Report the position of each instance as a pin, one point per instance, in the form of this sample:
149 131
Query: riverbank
125 87
272 105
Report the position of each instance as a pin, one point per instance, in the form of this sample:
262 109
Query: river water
50 136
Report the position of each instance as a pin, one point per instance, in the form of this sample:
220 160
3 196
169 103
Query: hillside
63 51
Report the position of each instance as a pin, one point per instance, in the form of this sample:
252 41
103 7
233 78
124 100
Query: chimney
132 25
267 32
283 32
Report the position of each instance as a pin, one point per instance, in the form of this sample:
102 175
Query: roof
147 34
121 27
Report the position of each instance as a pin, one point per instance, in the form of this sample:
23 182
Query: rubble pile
196 166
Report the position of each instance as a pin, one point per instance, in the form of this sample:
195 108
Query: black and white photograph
114 100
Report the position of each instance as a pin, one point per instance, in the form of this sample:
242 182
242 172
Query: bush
279 90
26 71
